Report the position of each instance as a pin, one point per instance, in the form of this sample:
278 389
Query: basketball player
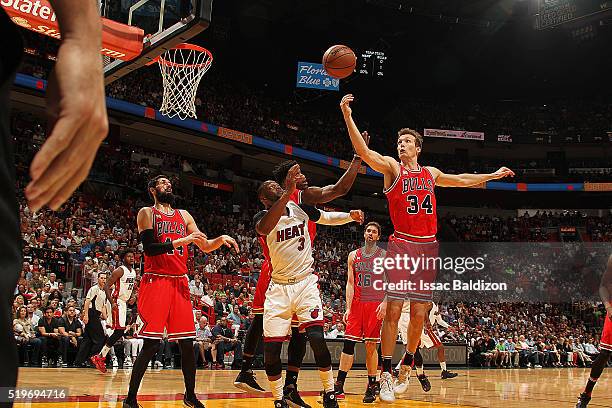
311 195
122 281
412 207
78 124
429 339
364 312
605 344
164 305
293 288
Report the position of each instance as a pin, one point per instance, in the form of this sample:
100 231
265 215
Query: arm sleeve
326 217
152 248
441 322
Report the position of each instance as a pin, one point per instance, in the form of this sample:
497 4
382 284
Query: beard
165 198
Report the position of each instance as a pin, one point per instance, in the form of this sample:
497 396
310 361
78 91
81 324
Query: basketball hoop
182 68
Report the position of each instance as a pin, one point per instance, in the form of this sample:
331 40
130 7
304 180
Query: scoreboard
372 63
551 13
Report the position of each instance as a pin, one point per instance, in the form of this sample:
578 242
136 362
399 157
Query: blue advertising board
313 75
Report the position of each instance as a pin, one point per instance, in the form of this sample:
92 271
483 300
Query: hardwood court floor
542 388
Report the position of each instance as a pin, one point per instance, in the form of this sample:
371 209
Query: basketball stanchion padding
182 69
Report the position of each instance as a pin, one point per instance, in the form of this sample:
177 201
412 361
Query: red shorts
606 336
362 324
261 288
164 305
412 284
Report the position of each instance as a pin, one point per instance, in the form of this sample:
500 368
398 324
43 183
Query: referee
94 336
77 125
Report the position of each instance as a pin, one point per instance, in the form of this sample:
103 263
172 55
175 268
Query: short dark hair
124 252
49 308
375 224
417 136
262 187
101 273
153 183
280 171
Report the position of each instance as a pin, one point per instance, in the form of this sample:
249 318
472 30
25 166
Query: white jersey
123 287
288 245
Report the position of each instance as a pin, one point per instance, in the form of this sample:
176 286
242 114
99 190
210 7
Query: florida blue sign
313 75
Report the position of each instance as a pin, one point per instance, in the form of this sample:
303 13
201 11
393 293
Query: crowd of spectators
96 224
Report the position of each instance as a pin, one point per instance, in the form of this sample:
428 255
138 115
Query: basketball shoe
386 388
583 401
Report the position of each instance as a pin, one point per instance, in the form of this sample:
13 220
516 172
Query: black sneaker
192 402
131 403
280 404
447 374
377 388
424 382
370 394
339 390
583 401
329 400
292 397
246 382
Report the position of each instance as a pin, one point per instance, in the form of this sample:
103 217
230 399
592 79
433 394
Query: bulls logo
314 313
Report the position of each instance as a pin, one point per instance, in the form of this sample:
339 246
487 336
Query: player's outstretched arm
333 217
382 164
466 179
318 195
200 239
151 246
76 107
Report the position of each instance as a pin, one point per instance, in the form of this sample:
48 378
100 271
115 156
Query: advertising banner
453 134
313 75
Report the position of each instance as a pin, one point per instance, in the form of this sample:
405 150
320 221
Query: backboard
166 23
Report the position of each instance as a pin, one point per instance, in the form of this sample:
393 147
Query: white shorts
282 301
116 319
428 337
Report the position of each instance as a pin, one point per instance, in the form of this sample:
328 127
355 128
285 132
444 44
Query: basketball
339 61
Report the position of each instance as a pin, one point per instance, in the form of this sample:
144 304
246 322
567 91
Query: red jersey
363 274
412 205
167 228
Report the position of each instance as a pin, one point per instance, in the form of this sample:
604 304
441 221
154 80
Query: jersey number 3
415 206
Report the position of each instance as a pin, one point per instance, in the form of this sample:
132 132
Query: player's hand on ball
345 105
357 216
503 172
230 242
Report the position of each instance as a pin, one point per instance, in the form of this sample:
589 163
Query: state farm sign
119 41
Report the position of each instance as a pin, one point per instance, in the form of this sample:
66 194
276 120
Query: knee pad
349 347
297 348
272 360
319 346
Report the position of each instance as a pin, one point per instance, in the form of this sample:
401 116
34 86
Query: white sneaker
402 381
115 362
158 364
537 366
127 363
386 388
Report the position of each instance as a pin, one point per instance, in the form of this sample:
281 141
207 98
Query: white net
182 68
